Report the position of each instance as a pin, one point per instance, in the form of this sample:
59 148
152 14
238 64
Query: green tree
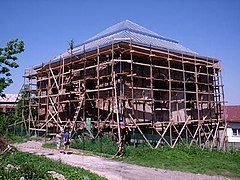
8 60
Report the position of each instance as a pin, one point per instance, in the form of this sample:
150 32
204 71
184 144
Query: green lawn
12 138
49 145
180 158
36 167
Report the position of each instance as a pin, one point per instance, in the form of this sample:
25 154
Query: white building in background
232 114
8 103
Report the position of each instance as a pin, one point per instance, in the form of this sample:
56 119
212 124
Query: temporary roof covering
127 31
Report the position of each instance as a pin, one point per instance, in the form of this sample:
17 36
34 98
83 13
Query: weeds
34 167
13 138
181 158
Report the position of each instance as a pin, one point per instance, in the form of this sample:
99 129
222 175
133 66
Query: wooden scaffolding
160 95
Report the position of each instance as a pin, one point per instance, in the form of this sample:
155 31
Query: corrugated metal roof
133 31
126 29
129 26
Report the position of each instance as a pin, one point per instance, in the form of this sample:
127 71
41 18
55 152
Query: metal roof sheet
126 29
127 25
135 32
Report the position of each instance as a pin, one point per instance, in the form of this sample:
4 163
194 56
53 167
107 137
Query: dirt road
110 169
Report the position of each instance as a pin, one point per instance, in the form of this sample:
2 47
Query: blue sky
211 28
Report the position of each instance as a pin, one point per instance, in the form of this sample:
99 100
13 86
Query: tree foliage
8 60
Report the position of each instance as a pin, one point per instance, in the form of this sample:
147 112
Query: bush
13 138
104 145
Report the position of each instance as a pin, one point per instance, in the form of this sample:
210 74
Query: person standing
66 139
58 140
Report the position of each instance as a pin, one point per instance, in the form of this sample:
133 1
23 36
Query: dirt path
108 168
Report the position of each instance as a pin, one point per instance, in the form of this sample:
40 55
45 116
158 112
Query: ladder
75 117
81 98
116 105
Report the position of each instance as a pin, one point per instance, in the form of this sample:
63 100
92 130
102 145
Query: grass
181 158
105 146
12 138
36 167
49 145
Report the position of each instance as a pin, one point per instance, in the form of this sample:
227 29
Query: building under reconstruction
129 77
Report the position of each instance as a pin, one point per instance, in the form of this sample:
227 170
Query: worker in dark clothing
66 139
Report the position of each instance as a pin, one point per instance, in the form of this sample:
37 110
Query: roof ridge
127 30
129 26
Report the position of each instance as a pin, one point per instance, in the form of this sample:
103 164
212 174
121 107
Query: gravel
113 170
